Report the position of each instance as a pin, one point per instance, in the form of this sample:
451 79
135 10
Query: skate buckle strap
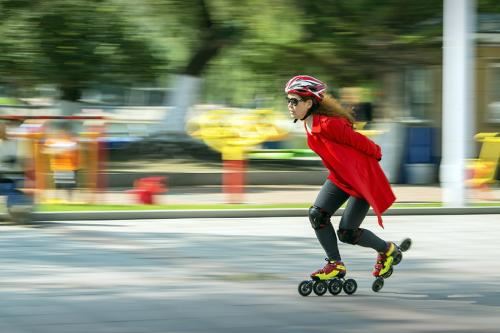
391 249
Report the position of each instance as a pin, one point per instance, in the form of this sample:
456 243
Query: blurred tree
371 37
200 34
244 49
259 43
74 44
488 6
347 42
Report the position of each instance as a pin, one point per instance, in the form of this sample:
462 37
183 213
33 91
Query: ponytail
329 106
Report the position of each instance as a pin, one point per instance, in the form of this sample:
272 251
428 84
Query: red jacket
352 160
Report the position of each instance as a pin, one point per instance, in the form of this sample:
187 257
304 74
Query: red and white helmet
305 86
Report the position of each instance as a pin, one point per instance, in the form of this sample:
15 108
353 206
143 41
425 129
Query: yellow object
482 170
370 133
234 133
232 153
359 127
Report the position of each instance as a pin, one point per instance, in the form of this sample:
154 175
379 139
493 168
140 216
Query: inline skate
385 262
329 278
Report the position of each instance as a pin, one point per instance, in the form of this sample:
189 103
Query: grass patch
111 207
114 207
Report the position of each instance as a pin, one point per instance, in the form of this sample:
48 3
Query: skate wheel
378 284
388 273
320 288
405 245
335 286
305 288
350 286
397 259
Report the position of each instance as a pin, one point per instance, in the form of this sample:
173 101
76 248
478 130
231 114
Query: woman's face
297 106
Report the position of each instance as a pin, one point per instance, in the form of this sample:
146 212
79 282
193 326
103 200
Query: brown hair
329 106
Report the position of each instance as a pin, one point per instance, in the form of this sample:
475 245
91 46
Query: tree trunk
186 91
188 82
68 102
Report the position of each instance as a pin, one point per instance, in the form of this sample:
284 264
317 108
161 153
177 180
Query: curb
242 213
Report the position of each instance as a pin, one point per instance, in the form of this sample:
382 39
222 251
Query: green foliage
488 6
74 44
244 49
342 42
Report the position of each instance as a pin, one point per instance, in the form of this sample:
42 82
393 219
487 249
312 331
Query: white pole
458 91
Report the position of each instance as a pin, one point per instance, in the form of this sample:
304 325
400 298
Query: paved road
241 276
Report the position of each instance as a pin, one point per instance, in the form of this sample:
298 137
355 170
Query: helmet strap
313 108
307 115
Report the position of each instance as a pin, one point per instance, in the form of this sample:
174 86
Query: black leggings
329 199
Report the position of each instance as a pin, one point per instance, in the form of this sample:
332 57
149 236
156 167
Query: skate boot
331 278
386 260
331 270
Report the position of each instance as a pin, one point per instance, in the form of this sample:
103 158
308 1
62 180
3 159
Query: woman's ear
309 103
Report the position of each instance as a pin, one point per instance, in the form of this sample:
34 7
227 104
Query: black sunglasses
293 101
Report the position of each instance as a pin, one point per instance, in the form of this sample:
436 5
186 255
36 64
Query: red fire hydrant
146 188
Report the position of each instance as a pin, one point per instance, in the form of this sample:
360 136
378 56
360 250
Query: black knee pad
318 217
349 236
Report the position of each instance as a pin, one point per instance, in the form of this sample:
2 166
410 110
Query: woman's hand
378 153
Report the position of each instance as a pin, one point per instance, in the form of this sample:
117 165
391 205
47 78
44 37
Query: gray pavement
241 275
